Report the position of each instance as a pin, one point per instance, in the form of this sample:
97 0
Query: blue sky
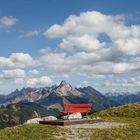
45 41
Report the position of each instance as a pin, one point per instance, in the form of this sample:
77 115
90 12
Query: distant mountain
124 97
26 94
50 100
98 100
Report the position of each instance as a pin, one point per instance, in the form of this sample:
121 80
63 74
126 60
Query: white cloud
16 60
21 59
85 43
7 21
10 74
89 55
83 50
44 50
32 33
42 81
92 22
85 83
129 46
32 82
34 72
82 32
6 62
19 81
131 82
51 59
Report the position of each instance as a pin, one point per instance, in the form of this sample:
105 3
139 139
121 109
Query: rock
72 116
49 118
35 120
98 118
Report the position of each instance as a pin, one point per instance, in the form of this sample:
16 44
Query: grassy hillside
129 114
32 132
129 111
129 132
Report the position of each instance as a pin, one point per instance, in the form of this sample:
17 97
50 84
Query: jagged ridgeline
124 97
50 100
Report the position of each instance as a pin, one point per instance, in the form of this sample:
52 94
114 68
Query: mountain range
124 97
21 105
50 100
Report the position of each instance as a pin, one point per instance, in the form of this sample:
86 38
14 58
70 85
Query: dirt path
100 125
77 134
81 131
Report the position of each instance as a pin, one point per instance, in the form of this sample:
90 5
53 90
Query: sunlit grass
129 114
32 132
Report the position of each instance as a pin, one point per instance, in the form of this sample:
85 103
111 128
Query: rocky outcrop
35 120
49 118
73 116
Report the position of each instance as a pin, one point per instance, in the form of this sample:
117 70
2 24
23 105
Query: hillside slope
129 110
14 115
32 132
129 114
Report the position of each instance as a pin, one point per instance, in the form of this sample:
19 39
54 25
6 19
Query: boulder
35 120
72 116
96 118
47 118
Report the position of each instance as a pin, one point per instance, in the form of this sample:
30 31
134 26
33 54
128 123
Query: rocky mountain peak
63 83
63 88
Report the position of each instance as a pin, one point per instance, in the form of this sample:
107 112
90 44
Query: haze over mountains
28 103
50 100
124 97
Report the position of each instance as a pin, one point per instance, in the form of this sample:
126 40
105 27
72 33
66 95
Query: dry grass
32 132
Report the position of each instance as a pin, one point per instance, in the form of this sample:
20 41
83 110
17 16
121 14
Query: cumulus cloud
85 43
42 81
16 60
83 50
83 31
131 82
21 59
91 56
10 74
7 21
34 72
51 59
6 62
19 81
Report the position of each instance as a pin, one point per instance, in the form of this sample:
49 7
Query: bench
74 108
